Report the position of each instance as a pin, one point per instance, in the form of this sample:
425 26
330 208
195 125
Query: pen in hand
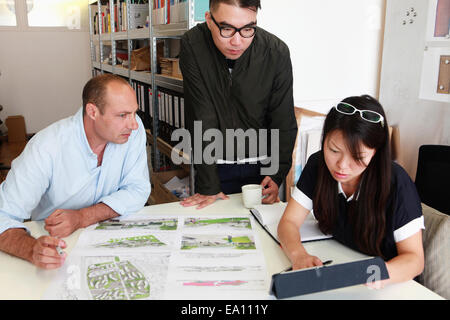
323 264
58 247
59 250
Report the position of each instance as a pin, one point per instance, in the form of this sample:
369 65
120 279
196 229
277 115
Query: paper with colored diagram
149 257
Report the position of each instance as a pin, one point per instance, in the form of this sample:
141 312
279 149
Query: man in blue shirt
78 171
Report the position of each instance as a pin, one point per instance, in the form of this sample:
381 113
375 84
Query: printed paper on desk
269 215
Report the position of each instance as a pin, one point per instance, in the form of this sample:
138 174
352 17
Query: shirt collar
82 132
341 191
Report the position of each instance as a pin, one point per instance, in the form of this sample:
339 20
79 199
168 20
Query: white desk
22 280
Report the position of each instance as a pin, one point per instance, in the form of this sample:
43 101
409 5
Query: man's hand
202 200
40 252
61 223
269 188
45 255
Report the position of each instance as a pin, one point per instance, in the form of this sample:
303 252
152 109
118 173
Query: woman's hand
305 261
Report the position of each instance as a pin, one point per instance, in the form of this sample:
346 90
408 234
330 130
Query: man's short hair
248 4
95 90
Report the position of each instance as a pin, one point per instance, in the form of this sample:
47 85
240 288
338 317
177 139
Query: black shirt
404 208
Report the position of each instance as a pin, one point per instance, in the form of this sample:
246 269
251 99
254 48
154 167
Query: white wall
420 121
42 73
335 46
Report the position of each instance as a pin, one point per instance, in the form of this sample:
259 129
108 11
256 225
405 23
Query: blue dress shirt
58 170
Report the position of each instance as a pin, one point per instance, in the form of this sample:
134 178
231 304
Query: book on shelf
163 12
145 103
269 216
169 11
138 15
124 16
134 19
150 108
99 19
171 113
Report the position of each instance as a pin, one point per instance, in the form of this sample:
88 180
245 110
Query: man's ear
92 110
208 19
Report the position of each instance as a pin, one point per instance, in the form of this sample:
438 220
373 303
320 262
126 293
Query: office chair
433 176
433 184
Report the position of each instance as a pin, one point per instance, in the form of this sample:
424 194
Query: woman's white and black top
404 210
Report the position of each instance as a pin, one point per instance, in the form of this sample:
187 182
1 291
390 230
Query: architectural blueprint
148 257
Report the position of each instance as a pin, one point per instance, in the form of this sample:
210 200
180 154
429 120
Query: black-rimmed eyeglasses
230 31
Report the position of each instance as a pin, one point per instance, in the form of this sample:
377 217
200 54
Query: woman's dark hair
248 4
366 213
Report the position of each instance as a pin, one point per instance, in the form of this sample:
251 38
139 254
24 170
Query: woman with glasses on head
357 194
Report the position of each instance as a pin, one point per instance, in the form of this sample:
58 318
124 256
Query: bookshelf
157 24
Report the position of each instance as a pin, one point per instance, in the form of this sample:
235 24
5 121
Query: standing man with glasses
238 76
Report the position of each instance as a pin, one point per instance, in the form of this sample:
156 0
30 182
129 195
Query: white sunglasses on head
368 115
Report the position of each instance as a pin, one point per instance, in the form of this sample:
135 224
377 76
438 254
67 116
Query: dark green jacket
258 94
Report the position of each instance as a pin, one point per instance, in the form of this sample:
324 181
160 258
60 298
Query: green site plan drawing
239 223
117 280
132 242
212 241
153 224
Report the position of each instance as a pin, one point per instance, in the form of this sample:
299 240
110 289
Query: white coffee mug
251 195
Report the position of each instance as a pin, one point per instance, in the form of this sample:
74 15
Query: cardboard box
171 67
176 71
16 129
140 59
160 194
